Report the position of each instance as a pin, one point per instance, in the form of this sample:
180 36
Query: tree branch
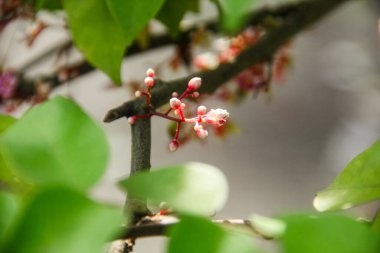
306 14
26 87
140 161
161 228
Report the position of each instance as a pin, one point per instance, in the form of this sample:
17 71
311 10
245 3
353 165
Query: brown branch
140 161
304 16
161 228
26 87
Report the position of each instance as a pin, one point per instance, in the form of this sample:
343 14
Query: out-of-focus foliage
357 184
172 12
191 188
97 34
196 234
327 233
62 152
56 143
62 220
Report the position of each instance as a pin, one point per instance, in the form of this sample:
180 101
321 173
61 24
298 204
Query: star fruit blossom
217 117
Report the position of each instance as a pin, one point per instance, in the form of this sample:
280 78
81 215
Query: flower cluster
216 117
227 49
256 78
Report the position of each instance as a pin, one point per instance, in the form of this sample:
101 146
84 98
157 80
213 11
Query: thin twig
161 228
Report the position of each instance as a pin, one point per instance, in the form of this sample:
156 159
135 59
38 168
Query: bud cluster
216 117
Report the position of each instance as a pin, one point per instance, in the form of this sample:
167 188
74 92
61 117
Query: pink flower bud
217 116
132 120
173 146
176 112
201 110
149 81
175 103
194 83
150 72
138 93
195 94
202 133
174 94
198 127
183 105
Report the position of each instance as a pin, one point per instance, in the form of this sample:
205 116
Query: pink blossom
217 116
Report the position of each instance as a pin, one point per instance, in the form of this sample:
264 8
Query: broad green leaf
95 32
5 122
327 234
357 184
9 207
376 223
50 5
268 227
196 234
133 15
193 187
173 11
56 143
6 175
65 221
234 12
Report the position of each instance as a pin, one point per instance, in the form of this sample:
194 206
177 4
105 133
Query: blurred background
288 147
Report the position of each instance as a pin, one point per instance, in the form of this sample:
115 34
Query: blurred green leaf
6 174
327 233
193 187
133 15
268 227
173 11
50 5
95 32
9 208
5 122
358 183
376 223
56 142
234 12
196 234
65 221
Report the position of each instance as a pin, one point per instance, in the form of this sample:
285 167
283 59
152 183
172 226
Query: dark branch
140 161
161 228
26 87
306 14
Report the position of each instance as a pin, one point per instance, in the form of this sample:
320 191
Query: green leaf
97 35
9 208
65 221
173 11
56 143
133 15
50 5
376 223
193 187
234 12
268 227
6 175
196 234
357 184
327 234
5 122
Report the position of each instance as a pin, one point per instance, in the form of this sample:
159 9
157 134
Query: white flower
217 116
